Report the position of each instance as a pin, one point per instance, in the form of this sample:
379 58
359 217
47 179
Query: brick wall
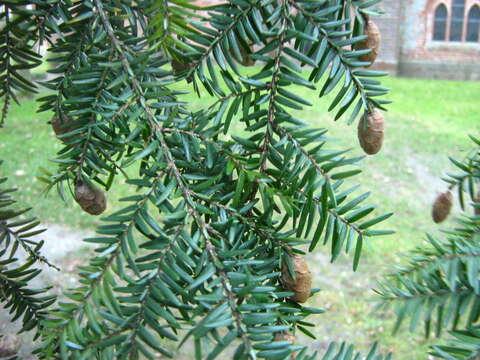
421 56
389 24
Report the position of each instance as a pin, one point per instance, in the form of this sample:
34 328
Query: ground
427 121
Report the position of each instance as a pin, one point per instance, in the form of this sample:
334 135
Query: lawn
428 121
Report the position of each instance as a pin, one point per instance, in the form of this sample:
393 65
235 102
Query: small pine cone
9 345
286 336
371 129
302 285
63 125
442 206
91 200
373 41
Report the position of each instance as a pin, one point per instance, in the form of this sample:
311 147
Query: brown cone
373 42
442 206
91 200
302 285
371 129
62 125
9 345
286 336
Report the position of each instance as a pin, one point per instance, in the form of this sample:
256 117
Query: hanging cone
442 206
63 125
372 41
91 200
371 129
302 285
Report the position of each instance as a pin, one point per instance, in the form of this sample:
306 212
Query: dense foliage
19 254
214 215
440 286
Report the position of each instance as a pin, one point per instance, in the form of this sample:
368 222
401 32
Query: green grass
428 120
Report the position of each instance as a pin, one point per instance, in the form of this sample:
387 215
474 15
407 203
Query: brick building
431 38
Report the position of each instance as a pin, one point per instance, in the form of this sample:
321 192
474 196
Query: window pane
440 24
473 25
458 13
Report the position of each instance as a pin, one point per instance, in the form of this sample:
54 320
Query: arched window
440 23
458 14
473 25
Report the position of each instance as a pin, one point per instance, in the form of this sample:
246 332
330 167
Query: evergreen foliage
19 255
214 217
440 286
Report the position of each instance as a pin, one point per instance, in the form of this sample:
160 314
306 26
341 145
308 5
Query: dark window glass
473 25
458 14
440 24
